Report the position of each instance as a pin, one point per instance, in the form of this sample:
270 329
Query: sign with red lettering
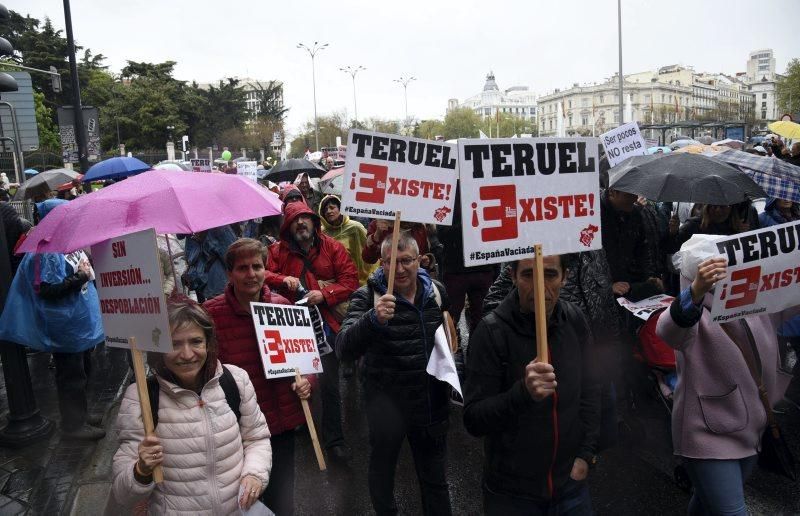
385 173
763 272
130 287
519 192
286 339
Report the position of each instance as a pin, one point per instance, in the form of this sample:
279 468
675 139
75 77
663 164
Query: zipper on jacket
212 464
555 445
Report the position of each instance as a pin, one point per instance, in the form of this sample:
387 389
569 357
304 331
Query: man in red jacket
279 399
308 263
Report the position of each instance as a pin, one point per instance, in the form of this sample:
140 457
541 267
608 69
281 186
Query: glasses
405 262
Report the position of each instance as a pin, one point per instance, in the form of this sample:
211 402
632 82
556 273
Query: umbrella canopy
168 201
728 142
685 177
168 166
677 144
706 150
115 168
331 183
777 177
44 182
31 172
786 128
288 169
658 150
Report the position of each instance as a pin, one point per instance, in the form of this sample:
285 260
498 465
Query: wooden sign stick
144 400
393 258
311 429
539 307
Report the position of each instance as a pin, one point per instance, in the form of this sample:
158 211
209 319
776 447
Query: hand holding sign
384 308
709 273
302 387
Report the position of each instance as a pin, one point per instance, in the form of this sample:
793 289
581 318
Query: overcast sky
449 46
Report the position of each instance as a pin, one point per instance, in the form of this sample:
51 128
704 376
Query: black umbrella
288 169
684 177
44 182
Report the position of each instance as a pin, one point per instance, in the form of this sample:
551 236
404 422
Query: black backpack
226 381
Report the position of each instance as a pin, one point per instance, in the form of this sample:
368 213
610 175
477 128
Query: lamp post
353 71
312 51
80 128
405 81
619 27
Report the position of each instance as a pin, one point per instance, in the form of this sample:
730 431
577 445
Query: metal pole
619 25
355 104
314 85
17 142
80 128
405 94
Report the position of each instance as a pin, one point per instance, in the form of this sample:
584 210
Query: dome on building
490 84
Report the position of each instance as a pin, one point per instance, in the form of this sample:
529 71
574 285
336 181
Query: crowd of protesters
543 424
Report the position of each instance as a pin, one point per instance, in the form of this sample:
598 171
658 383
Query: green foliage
461 123
788 88
329 128
429 129
48 132
270 97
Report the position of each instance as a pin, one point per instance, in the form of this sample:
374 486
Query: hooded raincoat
352 235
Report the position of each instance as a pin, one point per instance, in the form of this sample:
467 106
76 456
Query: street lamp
353 71
621 79
312 51
405 81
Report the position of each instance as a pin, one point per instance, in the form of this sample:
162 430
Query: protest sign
129 285
248 169
646 307
650 142
286 340
201 165
519 192
388 173
623 142
763 272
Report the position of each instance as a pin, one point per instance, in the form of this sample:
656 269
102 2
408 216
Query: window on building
570 104
763 114
584 120
647 98
601 99
616 117
663 98
487 111
551 124
763 95
763 104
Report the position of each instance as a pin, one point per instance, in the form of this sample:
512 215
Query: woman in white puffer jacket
205 454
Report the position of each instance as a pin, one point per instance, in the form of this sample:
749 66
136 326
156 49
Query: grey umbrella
684 177
44 182
288 169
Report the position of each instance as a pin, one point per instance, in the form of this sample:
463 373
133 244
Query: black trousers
72 377
279 494
332 434
387 430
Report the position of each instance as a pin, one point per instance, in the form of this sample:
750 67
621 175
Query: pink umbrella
169 201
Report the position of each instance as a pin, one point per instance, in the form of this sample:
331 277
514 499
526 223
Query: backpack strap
226 381
153 391
231 390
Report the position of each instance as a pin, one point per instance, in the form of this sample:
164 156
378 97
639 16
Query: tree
461 123
48 132
383 126
788 88
429 129
270 101
329 128
226 108
161 71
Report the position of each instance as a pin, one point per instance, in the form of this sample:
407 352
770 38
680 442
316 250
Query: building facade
518 101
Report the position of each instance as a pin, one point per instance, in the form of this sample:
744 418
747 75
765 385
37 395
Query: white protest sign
623 142
646 307
763 272
201 165
286 340
248 169
519 192
387 173
129 286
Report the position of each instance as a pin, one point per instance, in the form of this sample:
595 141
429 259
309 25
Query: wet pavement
635 477
42 478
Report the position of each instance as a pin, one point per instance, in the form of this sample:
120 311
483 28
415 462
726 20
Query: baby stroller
659 360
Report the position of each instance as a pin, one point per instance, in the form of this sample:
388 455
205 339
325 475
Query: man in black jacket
395 334
540 420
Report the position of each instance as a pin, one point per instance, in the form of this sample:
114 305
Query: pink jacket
716 411
206 453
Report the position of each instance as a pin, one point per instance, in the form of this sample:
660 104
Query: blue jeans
573 501
719 485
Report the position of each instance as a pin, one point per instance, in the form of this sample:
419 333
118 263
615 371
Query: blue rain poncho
69 324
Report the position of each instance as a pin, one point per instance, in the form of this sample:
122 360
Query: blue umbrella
115 168
31 172
655 150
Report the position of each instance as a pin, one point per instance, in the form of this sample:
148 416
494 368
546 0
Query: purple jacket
716 412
